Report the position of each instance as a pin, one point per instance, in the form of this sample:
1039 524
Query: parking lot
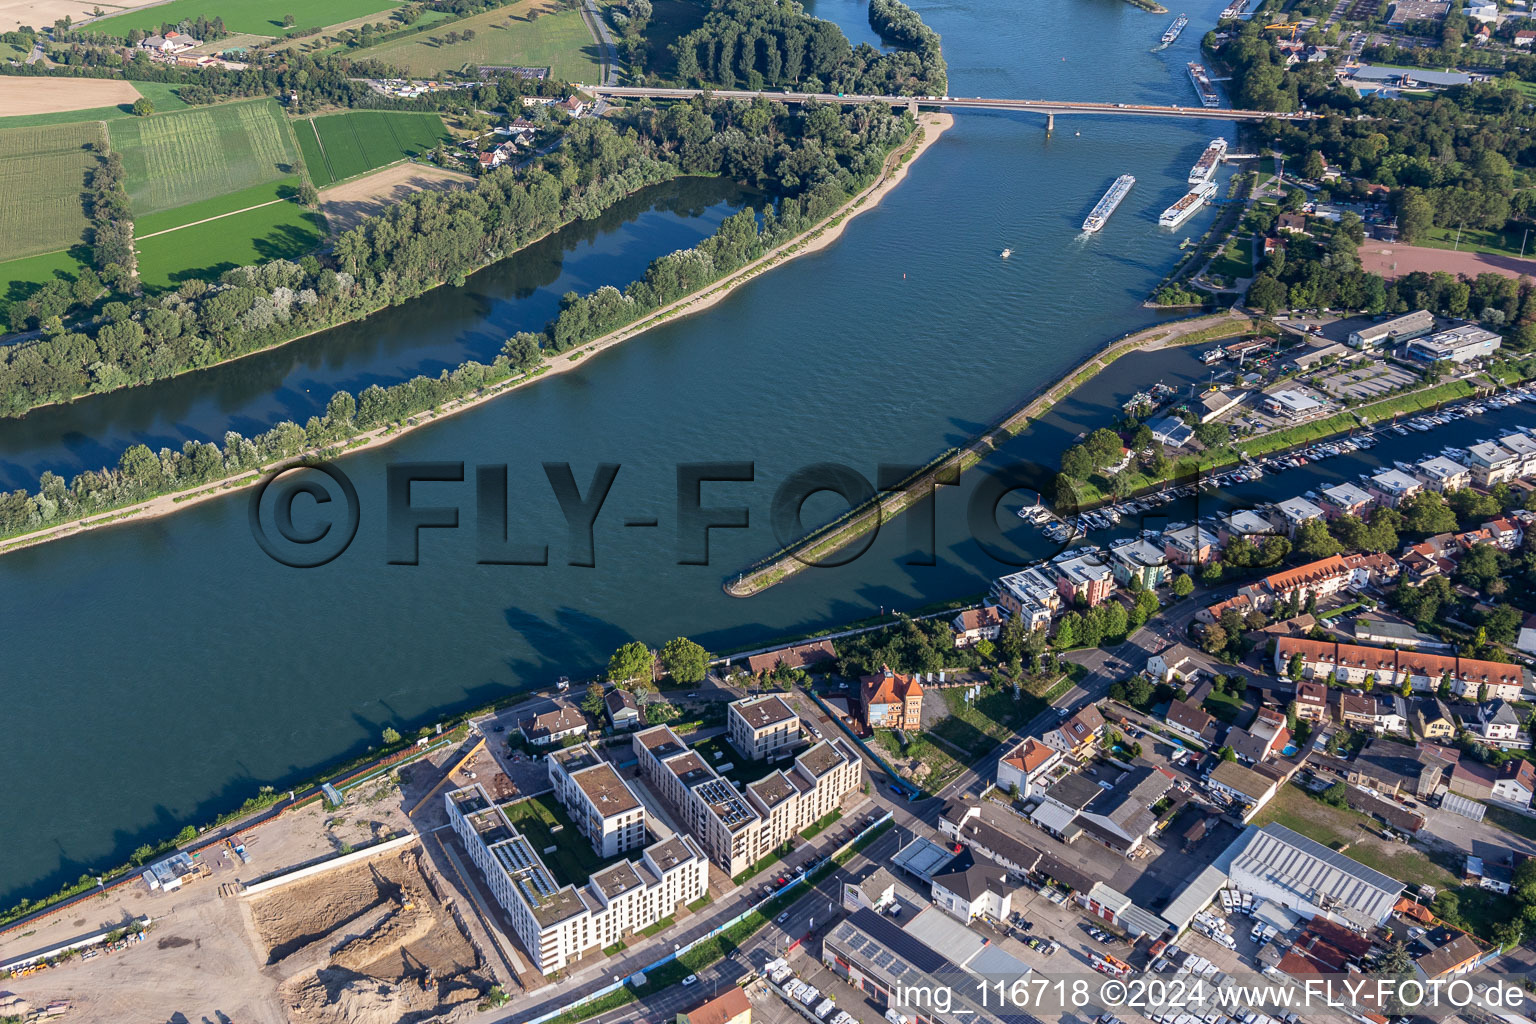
1376 379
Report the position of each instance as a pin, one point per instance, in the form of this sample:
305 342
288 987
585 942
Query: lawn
1225 706
258 17
195 154
556 38
1236 259
20 278
575 860
230 202
1352 833
279 231
42 177
1511 821
743 769
979 727
1497 243
341 146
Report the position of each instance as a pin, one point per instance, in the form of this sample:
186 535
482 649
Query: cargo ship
1185 208
1203 87
1106 206
1235 9
1175 29
1205 168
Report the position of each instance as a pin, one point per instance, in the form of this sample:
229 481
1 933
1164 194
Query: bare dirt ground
346 205
1390 260
369 944
49 95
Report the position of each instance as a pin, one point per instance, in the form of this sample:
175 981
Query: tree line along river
157 673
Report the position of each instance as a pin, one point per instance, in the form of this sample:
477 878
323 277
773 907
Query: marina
1203 88
1205 168
1185 208
1175 30
1107 205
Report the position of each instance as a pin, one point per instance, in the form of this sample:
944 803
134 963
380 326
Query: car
690 979
783 917
1063 712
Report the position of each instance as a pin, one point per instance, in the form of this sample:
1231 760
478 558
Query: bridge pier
1050 123
912 107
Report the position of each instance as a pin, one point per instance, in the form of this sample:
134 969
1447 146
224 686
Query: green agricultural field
218 206
279 231
20 278
341 146
202 152
257 17
42 177
555 38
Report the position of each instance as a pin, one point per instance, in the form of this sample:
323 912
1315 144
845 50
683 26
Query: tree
1227 754
1415 215
592 704
1215 639
1290 715
391 736
308 195
1296 667
684 660
1313 540
143 107
1067 630
1183 586
1267 293
630 662
1335 795
1443 691
289 21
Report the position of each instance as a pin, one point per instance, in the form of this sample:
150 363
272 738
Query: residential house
1497 724
171 42
1245 523
1177 662
729 1007
1311 699
1492 464
1137 558
1516 784
1190 545
762 728
1443 474
1352 665
1025 765
1190 721
573 105
623 711
1524 37
1296 511
1171 431
892 701
558 722
1379 713
1030 594
1393 487
1077 735
1505 533
1345 500
1432 720
1322 579
968 889
976 624
1291 222
806 656
1456 953
1083 578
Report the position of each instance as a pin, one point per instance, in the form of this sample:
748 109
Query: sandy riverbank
931 127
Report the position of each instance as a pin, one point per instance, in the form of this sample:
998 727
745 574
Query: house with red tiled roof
1516 784
801 656
1504 533
1352 665
1311 701
892 701
1324 578
1078 734
976 624
1025 764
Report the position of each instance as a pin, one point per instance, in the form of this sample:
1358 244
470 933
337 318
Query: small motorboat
1006 253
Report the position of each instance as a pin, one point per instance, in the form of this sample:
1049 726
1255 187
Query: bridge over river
1050 108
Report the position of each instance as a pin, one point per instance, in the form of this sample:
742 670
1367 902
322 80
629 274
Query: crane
1293 26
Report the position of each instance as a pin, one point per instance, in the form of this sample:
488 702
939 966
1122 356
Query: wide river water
156 674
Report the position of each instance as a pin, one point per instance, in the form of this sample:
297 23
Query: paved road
599 29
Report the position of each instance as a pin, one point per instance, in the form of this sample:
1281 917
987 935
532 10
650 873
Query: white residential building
1492 464
1030 594
1443 474
558 924
1295 511
601 803
763 727
1393 487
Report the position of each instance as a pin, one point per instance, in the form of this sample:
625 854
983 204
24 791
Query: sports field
278 231
259 17
341 146
202 152
556 38
42 182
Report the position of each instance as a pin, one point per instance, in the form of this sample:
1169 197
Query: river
158 673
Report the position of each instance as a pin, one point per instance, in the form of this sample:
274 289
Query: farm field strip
347 145
557 39
258 235
232 202
200 153
42 176
256 17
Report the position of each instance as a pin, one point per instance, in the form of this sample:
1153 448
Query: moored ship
1175 29
1185 208
1203 87
1205 168
1106 206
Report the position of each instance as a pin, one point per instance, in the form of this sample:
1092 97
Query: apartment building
1352 665
1394 487
736 828
1083 578
1322 579
1492 464
1137 558
763 727
1190 545
601 803
1345 500
1029 594
558 924
1443 474
1295 511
